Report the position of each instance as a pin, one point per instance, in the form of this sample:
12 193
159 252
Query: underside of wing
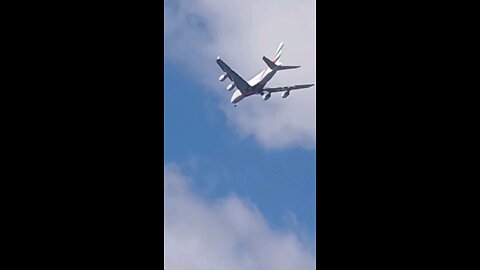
239 82
288 88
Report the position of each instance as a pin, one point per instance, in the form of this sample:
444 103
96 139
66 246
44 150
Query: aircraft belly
255 80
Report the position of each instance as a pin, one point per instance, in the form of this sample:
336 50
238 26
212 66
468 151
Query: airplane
256 86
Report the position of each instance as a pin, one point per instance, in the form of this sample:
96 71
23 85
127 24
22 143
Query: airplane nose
237 96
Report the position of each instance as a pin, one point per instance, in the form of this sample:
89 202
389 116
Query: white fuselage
256 85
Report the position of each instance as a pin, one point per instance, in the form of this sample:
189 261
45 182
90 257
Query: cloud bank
241 32
226 234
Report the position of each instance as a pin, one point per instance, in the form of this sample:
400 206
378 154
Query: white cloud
242 31
225 234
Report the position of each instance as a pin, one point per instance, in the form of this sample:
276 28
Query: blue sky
198 139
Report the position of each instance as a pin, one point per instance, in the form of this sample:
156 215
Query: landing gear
235 105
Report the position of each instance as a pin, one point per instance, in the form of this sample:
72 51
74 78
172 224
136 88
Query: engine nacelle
267 96
285 94
222 77
230 86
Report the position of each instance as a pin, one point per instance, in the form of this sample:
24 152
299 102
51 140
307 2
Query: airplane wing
287 88
240 83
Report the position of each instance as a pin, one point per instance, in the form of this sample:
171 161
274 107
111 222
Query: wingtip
218 57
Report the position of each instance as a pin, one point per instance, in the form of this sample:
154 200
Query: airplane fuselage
257 84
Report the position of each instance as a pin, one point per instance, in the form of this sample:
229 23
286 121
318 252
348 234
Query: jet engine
267 96
230 86
285 94
222 77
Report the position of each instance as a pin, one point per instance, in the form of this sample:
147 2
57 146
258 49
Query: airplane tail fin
278 53
276 60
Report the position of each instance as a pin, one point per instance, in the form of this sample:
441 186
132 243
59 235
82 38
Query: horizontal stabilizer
287 67
269 63
272 65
